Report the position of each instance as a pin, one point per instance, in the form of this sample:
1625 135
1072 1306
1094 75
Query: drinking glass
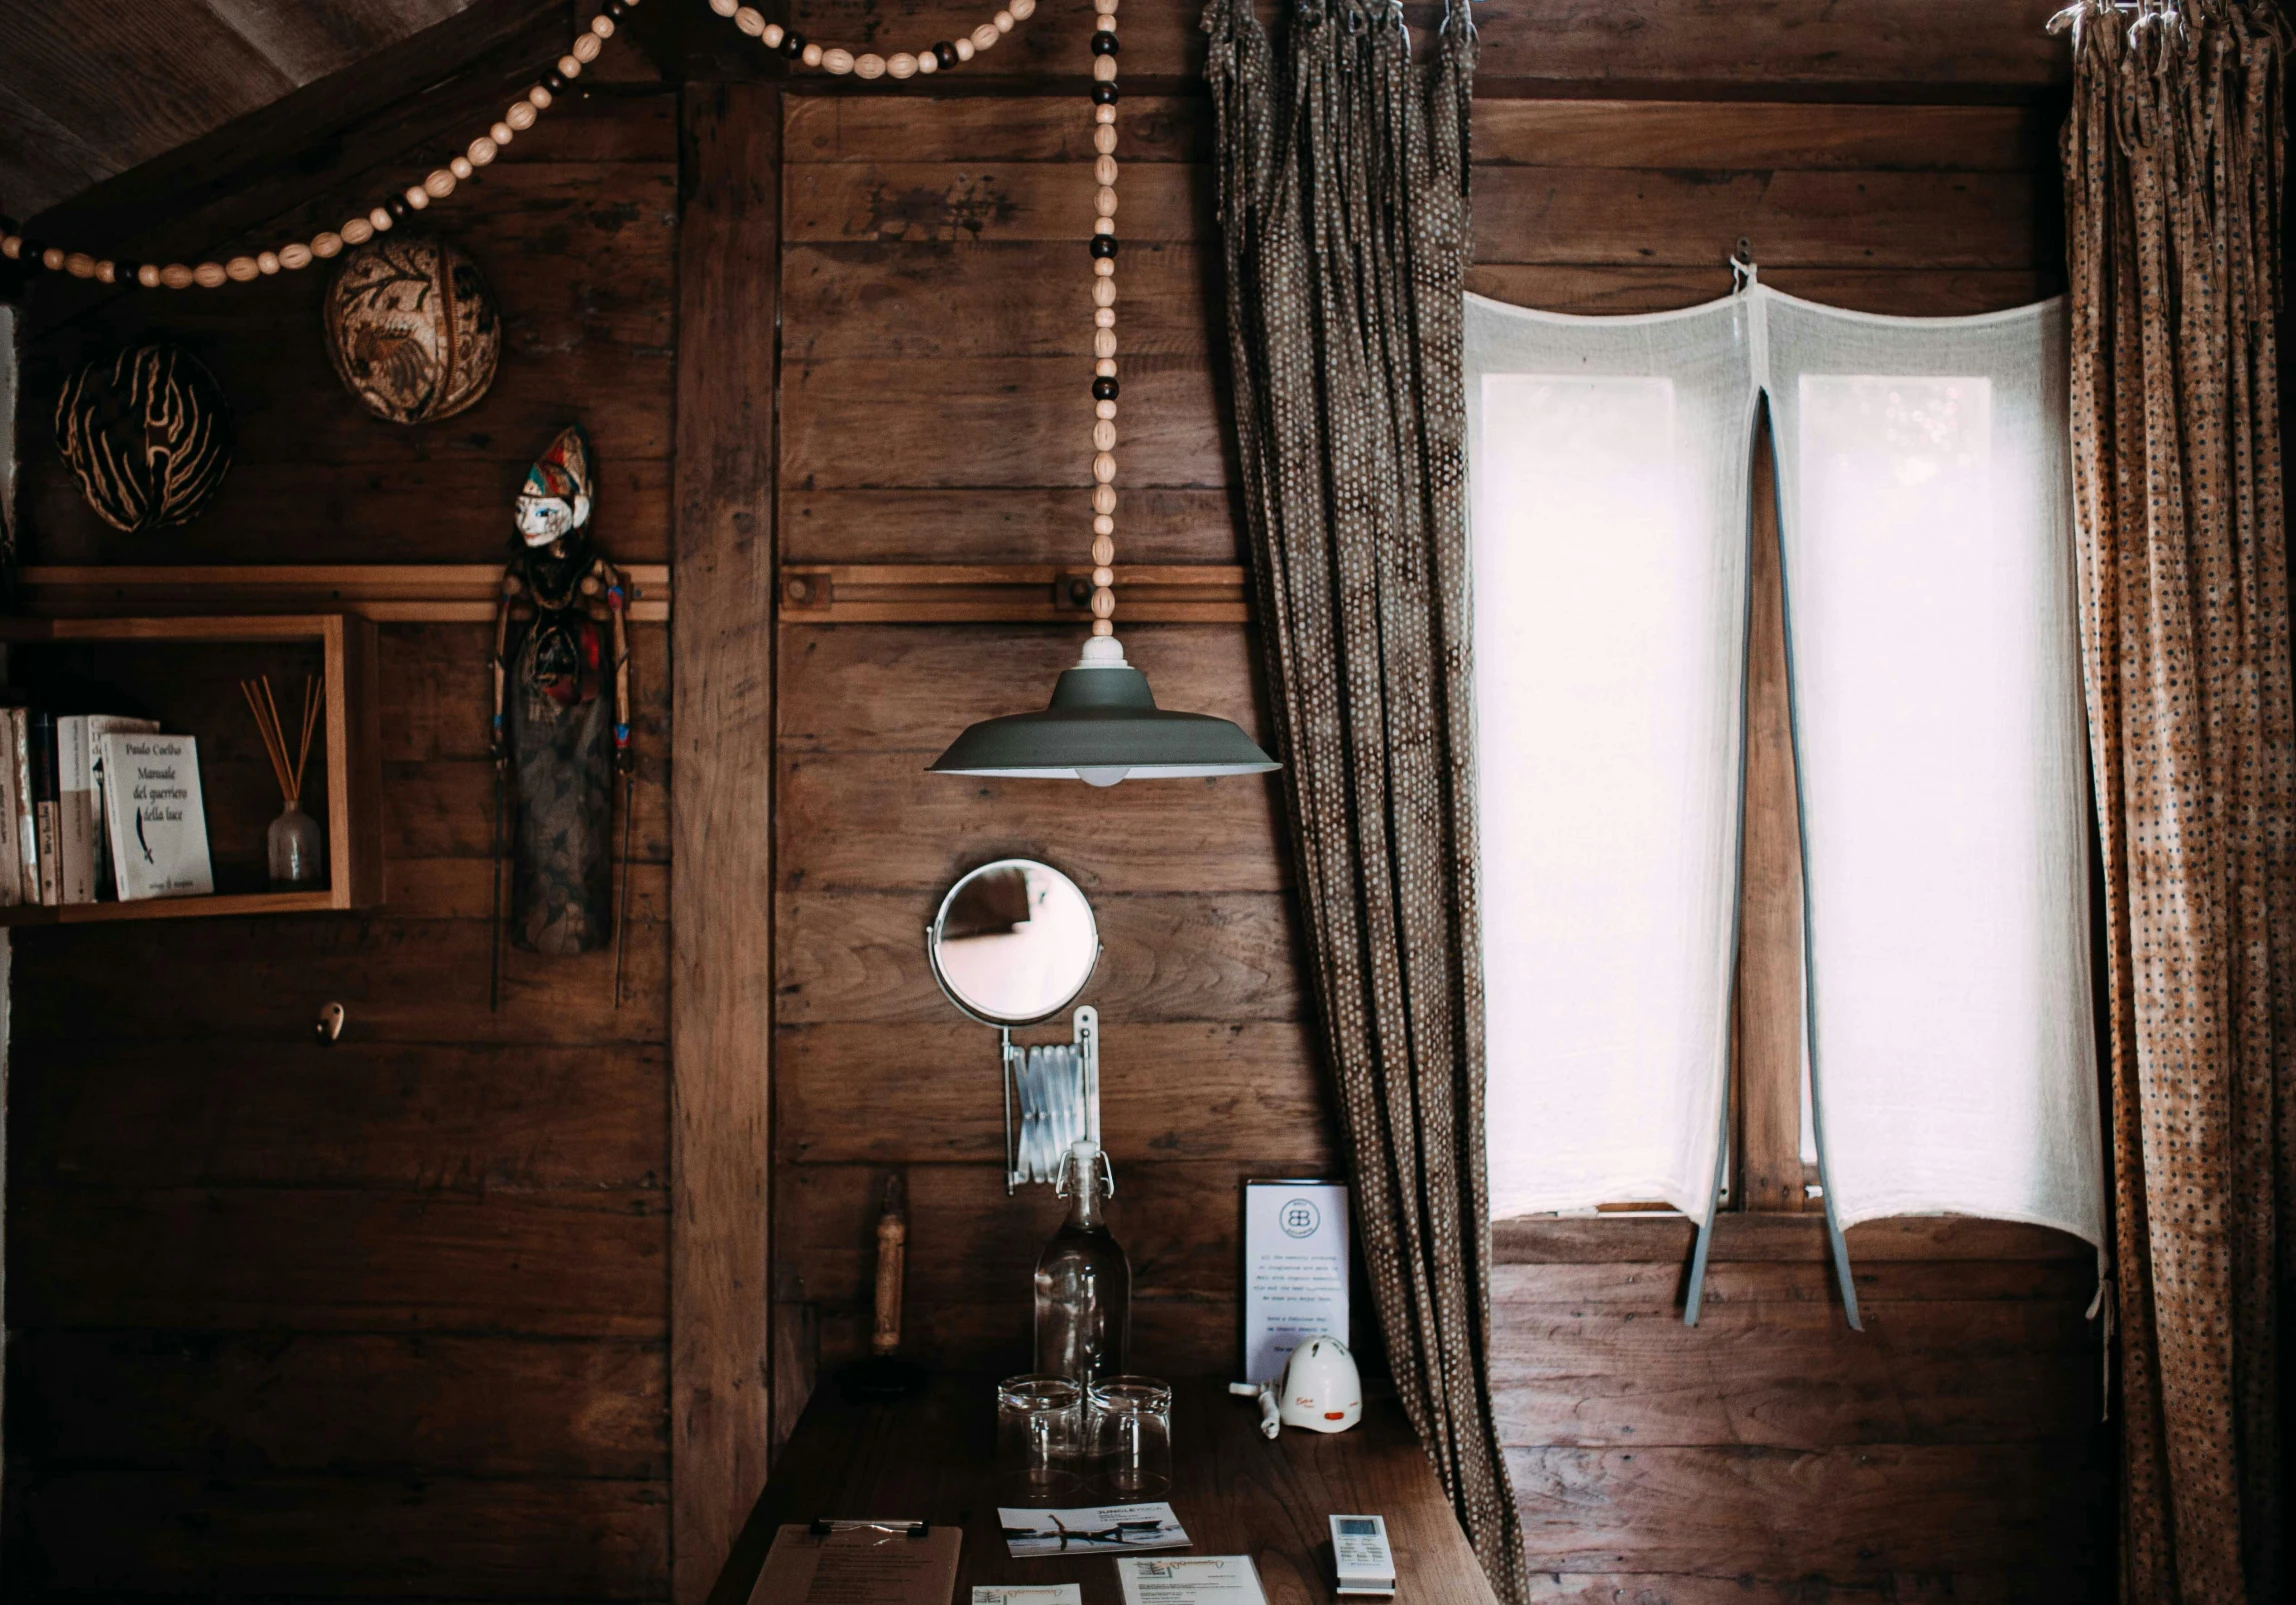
1039 1427
1131 1424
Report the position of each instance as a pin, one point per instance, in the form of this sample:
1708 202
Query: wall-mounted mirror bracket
1013 944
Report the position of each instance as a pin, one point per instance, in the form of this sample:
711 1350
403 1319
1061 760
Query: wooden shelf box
347 766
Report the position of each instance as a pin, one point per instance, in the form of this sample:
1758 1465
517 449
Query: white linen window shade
1924 506
1609 560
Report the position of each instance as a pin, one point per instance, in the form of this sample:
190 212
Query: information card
1295 1270
1190 1580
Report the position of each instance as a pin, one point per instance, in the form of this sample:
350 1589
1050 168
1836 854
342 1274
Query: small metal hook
329 1026
1744 275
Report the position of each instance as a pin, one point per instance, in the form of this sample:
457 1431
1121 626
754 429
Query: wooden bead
900 64
1104 137
460 167
539 98
1104 169
1104 434
1103 549
1104 467
359 230
417 196
52 259
439 182
380 220
750 20
148 276
107 271
964 49
1104 500
176 276
1022 10
295 258
587 46
1105 8
1105 368
1002 22
927 62
1104 267
1104 576
208 275
1104 320
1103 292
773 36
502 134
1104 409
80 265
1103 627
1104 69
266 262
837 59
602 25
569 66
241 268
326 243
724 8
811 55
985 35
12 246
519 116
1104 114
1104 225
1104 202
1104 603
869 65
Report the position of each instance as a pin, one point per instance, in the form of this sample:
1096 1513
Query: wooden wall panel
1768 1455
388 1318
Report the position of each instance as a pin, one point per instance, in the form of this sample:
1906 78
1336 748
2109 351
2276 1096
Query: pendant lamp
1103 723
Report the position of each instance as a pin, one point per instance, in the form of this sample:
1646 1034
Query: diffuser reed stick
266 710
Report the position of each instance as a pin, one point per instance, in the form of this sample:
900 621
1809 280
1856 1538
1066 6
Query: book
47 811
75 812
11 864
1093 1529
23 829
101 725
156 816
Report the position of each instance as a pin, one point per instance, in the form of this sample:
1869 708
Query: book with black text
156 816
47 808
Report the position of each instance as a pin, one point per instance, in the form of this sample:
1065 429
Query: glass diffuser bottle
1083 1280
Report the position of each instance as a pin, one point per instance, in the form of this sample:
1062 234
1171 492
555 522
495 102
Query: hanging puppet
561 716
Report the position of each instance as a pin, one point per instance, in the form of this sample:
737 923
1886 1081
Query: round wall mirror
1014 942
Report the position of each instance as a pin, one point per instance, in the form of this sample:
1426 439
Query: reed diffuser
292 849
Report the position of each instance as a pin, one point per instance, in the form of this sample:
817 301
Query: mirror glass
1014 942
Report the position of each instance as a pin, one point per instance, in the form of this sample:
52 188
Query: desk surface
933 1458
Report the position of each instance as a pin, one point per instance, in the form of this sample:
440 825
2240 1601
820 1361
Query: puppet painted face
556 499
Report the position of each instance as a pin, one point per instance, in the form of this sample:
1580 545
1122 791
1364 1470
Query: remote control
1365 1564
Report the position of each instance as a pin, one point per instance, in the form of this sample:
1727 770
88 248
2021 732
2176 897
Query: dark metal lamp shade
1102 726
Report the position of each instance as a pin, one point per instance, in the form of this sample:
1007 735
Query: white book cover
101 725
157 818
11 863
75 810
23 829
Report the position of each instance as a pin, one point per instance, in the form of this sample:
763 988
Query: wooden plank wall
387 1318
1895 160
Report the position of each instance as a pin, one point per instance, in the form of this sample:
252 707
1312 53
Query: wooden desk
933 1459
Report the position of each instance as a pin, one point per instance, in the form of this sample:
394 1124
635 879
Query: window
1639 856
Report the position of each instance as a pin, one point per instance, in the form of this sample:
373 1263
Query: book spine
23 828
47 809
11 860
76 816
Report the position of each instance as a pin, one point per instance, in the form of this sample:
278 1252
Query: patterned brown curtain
1343 204
2173 180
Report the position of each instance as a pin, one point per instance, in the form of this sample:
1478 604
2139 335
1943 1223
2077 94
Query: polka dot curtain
1343 207
2173 157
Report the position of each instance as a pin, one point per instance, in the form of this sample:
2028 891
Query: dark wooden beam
721 823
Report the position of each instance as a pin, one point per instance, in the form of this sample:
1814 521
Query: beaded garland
1102 251
516 119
